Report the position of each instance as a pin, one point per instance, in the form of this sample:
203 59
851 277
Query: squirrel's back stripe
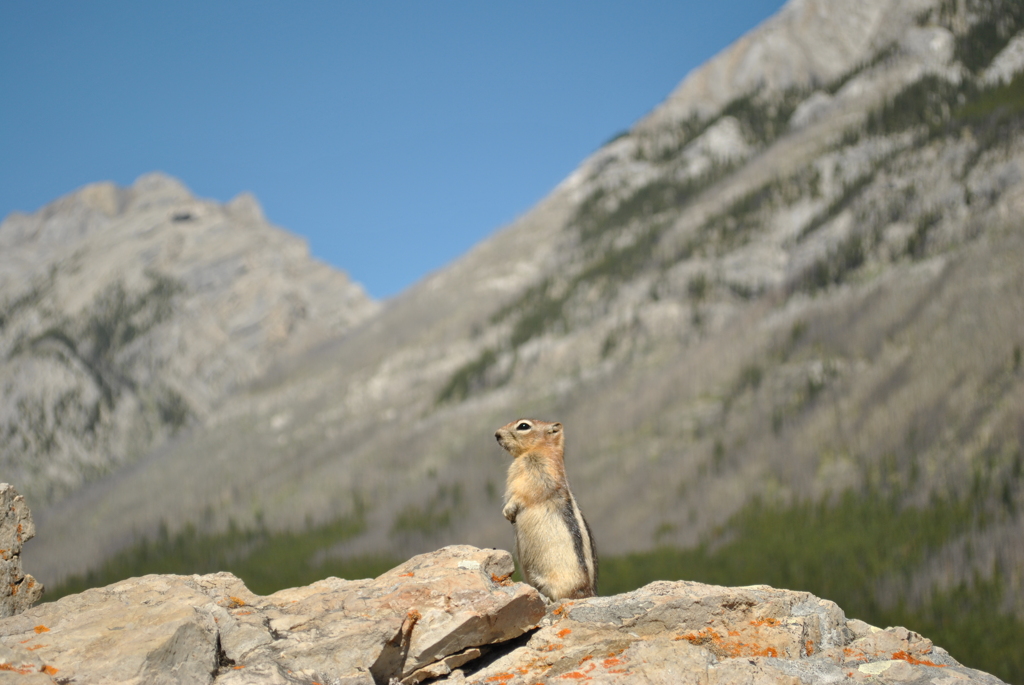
571 515
591 553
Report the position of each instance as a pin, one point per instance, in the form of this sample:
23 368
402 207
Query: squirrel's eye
523 427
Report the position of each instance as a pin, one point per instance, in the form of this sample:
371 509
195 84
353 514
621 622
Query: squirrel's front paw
510 511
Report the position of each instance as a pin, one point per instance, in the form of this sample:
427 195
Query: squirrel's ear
555 428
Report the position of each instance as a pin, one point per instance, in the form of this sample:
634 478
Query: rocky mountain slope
127 314
797 280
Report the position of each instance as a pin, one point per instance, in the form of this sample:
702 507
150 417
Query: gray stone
686 632
434 612
429 608
452 615
150 629
18 590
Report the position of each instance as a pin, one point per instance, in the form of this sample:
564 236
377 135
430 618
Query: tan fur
552 540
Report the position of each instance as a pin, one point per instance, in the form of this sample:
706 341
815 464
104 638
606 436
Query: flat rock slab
201 629
685 632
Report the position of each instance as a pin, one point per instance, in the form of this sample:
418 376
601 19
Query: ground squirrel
552 540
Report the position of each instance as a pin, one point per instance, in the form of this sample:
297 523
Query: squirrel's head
525 435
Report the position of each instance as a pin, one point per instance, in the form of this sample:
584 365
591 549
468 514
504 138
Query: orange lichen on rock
501 677
563 632
21 670
771 622
560 609
504 580
702 637
910 659
41 629
579 675
50 670
721 646
235 602
410 574
808 647
614 661
854 654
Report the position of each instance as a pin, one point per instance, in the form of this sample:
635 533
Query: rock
430 608
686 632
18 590
453 615
1007 64
151 629
436 608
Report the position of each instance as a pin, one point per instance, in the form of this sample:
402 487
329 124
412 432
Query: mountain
790 296
126 314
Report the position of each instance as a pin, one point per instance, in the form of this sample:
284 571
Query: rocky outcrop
686 632
430 614
807 42
18 590
454 615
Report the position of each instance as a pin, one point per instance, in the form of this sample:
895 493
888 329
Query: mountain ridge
130 312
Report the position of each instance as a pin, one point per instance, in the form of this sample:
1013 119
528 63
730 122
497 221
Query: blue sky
393 136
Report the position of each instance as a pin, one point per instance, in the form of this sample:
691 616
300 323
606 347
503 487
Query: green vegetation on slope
468 378
266 561
1000 20
1000 101
437 514
944 107
646 211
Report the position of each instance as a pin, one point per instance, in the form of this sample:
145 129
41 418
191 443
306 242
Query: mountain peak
138 308
157 188
807 42
245 206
